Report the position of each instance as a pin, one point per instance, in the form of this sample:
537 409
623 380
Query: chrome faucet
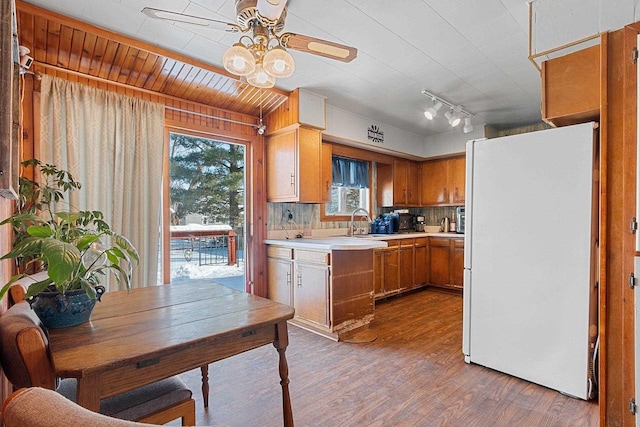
350 231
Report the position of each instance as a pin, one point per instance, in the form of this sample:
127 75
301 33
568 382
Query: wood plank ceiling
62 42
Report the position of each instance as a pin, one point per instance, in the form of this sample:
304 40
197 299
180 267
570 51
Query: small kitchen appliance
420 223
406 222
444 225
460 219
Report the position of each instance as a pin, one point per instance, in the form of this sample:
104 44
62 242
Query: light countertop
367 241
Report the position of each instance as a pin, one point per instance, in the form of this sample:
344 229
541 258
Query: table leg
204 369
281 342
88 393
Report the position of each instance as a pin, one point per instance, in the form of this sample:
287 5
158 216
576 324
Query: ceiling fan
260 56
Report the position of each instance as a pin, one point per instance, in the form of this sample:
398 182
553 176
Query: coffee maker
420 222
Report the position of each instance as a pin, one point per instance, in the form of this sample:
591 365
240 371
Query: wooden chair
25 360
40 407
17 293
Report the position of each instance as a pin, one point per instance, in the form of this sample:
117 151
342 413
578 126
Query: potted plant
75 248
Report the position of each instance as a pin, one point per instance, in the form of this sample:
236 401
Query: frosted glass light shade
278 62
260 78
431 112
239 60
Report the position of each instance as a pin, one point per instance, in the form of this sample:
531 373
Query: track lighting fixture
468 127
454 118
455 114
431 112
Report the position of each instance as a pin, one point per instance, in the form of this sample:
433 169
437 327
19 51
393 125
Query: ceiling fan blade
190 19
320 47
271 9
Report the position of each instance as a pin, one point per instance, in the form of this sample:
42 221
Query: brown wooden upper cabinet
298 166
443 181
399 183
571 87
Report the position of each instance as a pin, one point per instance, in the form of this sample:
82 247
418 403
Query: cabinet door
457 180
309 156
434 183
400 171
280 280
439 261
406 263
413 184
327 173
281 167
378 272
391 270
457 263
311 293
420 261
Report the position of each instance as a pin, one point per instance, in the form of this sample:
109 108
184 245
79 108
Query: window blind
350 172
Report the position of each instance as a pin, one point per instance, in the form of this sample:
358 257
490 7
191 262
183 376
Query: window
350 189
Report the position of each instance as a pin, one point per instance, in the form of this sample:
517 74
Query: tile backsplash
307 216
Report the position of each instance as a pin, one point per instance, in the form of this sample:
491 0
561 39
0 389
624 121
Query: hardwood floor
414 374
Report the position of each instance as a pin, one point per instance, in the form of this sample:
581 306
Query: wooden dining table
142 336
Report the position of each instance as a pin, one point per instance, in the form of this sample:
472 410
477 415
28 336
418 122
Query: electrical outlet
289 216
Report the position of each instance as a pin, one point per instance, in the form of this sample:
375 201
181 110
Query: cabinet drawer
439 241
279 252
393 242
405 243
421 241
312 256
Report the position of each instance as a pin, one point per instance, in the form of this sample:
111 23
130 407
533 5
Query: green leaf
70 217
89 289
27 246
125 244
85 241
39 231
62 259
35 288
23 218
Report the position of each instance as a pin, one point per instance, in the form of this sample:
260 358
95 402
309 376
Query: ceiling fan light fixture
239 60
468 127
260 78
431 112
278 62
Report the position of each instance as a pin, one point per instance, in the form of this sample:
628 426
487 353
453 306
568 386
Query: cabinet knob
293 180
288 278
299 280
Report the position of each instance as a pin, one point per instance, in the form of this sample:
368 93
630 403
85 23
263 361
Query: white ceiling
472 53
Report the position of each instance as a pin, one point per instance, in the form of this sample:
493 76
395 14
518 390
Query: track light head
454 118
431 112
468 127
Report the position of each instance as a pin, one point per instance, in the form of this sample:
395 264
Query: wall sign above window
375 134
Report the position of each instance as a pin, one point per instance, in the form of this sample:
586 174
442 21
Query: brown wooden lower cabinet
420 271
445 259
422 261
331 291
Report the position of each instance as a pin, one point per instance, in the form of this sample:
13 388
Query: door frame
255 206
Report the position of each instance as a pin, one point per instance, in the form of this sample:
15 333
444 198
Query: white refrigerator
530 235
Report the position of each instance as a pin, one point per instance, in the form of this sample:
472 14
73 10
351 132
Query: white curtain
112 144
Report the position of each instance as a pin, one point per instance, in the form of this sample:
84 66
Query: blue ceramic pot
57 310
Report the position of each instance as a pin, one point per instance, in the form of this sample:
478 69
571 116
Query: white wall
556 23
351 129
450 142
